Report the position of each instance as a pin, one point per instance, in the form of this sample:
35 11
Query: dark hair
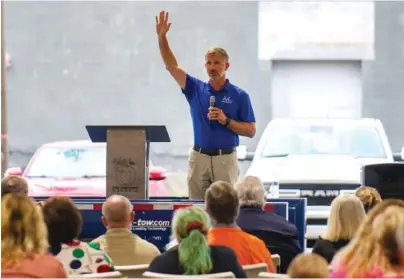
222 202
63 220
14 185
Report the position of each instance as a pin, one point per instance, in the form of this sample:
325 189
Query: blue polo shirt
234 102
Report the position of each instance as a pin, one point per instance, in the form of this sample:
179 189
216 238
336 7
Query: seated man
279 236
124 247
222 206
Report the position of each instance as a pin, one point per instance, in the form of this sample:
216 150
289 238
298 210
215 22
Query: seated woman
377 249
24 241
369 197
63 220
346 216
193 255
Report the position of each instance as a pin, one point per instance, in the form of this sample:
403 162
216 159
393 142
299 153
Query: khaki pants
203 170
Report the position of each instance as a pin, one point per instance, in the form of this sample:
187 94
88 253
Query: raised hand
162 24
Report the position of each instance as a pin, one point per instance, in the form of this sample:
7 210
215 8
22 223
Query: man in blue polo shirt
217 128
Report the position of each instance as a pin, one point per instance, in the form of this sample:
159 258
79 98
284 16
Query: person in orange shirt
222 205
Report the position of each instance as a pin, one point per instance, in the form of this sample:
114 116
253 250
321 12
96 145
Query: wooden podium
128 149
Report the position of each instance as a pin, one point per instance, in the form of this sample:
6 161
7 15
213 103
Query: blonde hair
363 253
385 227
14 185
308 266
400 237
23 230
369 197
251 192
346 216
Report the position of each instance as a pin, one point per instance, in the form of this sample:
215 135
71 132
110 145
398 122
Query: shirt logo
227 100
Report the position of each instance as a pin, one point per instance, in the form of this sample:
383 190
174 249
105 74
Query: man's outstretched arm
162 27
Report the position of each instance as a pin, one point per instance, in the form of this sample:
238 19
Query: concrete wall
78 63
383 78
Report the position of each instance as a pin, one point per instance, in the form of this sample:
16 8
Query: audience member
193 255
14 184
400 242
308 266
24 241
373 253
346 216
279 236
124 247
369 197
222 205
63 220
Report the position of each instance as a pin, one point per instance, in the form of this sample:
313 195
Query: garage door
316 89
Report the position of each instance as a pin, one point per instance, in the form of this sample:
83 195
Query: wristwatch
227 122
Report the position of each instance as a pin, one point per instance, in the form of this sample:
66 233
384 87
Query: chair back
113 274
271 275
276 260
148 274
252 270
132 271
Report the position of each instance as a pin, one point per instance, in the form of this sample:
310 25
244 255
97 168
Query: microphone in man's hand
212 103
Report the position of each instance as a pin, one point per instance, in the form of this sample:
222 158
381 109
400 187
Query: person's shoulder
222 252
146 244
238 90
254 240
221 249
321 242
196 79
167 256
48 257
281 220
51 261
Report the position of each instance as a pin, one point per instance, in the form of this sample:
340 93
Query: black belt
214 151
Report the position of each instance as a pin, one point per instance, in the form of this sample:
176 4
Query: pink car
76 169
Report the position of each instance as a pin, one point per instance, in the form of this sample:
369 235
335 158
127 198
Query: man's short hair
220 51
14 184
222 202
116 209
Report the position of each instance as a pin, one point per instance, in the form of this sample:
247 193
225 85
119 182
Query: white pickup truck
318 159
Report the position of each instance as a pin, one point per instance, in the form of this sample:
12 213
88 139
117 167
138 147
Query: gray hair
251 192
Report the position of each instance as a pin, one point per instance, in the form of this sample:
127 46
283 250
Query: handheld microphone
212 102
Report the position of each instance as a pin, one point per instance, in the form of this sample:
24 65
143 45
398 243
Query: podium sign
128 148
126 166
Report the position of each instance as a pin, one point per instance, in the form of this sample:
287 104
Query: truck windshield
72 162
358 142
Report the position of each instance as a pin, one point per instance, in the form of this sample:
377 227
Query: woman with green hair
193 255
